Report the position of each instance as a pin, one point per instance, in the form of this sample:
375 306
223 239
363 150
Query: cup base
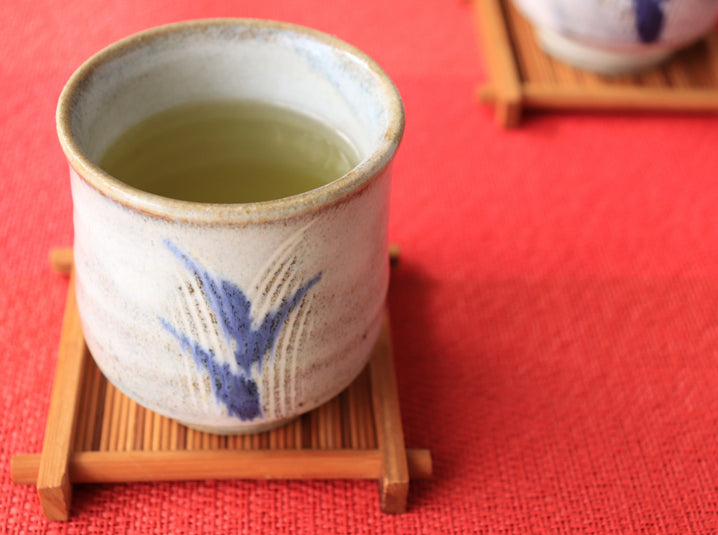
600 60
249 430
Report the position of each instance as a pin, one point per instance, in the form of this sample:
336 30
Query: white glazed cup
618 36
231 318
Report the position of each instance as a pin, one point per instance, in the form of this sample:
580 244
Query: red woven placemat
553 315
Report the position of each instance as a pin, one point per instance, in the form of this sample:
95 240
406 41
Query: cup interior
286 65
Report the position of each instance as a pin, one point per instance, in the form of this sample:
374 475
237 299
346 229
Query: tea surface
229 151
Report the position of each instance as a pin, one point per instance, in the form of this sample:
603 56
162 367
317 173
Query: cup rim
157 206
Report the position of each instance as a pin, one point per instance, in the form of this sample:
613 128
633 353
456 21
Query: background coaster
96 434
523 76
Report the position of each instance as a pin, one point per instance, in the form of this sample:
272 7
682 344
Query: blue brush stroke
232 308
239 393
650 19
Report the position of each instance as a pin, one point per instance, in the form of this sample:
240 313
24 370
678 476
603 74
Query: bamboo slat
183 465
53 479
502 64
389 432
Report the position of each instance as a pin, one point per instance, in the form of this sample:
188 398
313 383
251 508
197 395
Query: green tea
229 151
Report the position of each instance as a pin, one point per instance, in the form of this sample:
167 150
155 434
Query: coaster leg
506 95
507 113
53 480
394 481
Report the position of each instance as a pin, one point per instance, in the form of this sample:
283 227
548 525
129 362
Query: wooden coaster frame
523 76
96 434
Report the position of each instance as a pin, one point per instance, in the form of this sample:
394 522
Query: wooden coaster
96 434
523 76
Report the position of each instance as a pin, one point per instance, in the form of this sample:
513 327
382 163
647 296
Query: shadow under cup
231 317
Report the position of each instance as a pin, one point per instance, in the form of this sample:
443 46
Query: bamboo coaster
523 76
95 434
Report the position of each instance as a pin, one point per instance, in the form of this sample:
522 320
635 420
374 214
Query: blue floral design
650 19
231 306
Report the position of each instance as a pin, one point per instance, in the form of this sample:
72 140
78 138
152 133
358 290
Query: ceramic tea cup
618 36
231 318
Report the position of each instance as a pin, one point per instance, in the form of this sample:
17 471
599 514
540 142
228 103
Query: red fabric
554 314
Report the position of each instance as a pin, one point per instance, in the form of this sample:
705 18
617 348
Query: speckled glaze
231 317
618 36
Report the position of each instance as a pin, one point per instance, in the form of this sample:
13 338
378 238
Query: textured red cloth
554 314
